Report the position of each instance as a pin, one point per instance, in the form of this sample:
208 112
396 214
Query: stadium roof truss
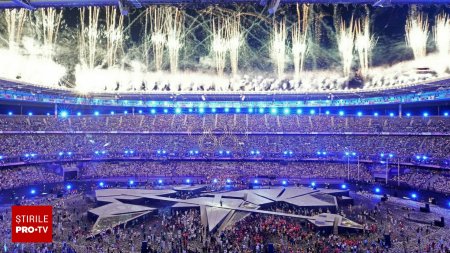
32 4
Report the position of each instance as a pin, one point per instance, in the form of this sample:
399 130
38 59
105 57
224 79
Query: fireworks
114 35
15 19
442 36
156 18
364 43
345 38
219 44
299 44
51 21
279 46
234 37
417 34
175 24
88 36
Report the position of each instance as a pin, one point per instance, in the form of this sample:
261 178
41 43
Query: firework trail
346 39
174 27
234 38
417 34
364 44
442 37
219 43
299 37
89 36
114 35
278 46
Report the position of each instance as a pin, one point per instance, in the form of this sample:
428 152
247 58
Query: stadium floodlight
64 114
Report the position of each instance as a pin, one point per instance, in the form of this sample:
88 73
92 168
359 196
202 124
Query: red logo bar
31 224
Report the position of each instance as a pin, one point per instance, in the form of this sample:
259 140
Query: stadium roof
31 4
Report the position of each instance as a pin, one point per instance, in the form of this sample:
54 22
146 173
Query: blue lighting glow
131 182
160 181
190 110
140 111
153 111
213 109
446 114
382 155
228 181
391 114
64 114
347 153
408 114
414 195
327 112
425 114
238 109
391 155
274 111
359 114
284 182
1 157
188 181
261 110
313 184
286 111
61 153
112 112
324 153
353 153
30 114
68 187
96 152
101 184
424 157
220 152
228 152
312 112
377 190
125 112
344 186
299 111
215 180
226 109
376 114
166 110
96 113
250 110
418 157
201 110
178 110
341 113
103 152
33 191
255 181
257 152
78 113
10 113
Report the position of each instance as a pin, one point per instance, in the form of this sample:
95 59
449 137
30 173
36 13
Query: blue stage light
131 182
413 195
33 191
213 110
163 151
284 182
274 111
312 112
408 114
152 111
112 112
391 114
220 152
61 153
344 186
228 152
376 114
327 112
103 152
382 155
255 181
341 113
125 112
166 110
201 110
285 152
10 113
228 181
96 113
64 114
126 151
96 152
131 151
238 110
286 111
1 157
178 110
250 110
347 153
391 155
215 180
425 114
261 110
446 114
101 184
226 109
424 157
257 152
359 114
69 153
353 154
68 187
78 113
324 153
299 111
188 181
313 184
319 153
418 157
252 152
160 181
30 114
377 190
190 110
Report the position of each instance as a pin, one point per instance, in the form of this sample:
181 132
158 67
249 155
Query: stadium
227 126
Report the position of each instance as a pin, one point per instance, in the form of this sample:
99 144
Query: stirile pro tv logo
31 224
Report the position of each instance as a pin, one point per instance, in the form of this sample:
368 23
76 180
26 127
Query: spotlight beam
24 4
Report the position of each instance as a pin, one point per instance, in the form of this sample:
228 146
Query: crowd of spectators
17 177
